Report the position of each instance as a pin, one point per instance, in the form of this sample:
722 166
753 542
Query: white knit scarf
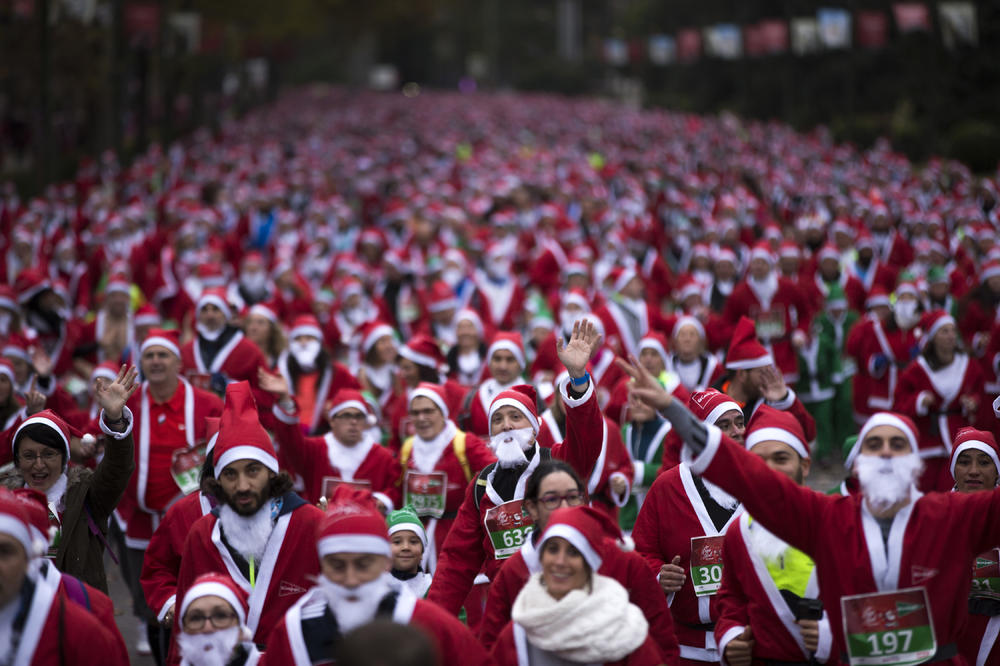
426 453
598 626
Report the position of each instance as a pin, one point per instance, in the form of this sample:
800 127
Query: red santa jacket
315 460
931 542
162 561
617 334
977 641
331 380
673 514
880 354
190 406
237 361
749 597
627 567
93 600
788 311
454 642
501 306
511 650
285 573
469 547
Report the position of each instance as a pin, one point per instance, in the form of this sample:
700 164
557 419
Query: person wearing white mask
213 624
887 545
354 587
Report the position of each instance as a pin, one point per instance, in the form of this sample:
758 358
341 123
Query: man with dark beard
261 534
888 546
491 524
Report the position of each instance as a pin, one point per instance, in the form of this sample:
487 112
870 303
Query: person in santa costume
505 364
552 485
942 390
162 562
170 419
570 613
467 357
261 327
408 541
491 524
109 336
975 466
626 316
654 357
689 358
261 533
498 297
755 380
644 434
682 511
219 353
896 545
213 624
49 324
766 583
354 587
375 369
345 454
38 625
310 374
880 345
777 305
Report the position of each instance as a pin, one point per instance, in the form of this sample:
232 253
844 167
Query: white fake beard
764 543
247 534
568 319
452 276
255 283
721 497
209 335
212 649
887 481
906 315
509 447
498 269
305 353
356 316
766 287
354 606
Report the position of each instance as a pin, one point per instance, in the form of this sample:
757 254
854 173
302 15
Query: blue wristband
580 381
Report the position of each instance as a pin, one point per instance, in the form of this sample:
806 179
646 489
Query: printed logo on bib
890 628
185 467
706 564
508 526
986 575
426 492
771 324
330 484
286 589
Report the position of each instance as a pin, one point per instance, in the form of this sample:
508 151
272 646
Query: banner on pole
834 28
872 29
723 40
805 36
912 17
662 49
958 24
688 45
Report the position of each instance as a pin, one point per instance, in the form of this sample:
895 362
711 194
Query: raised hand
772 384
274 383
582 344
41 362
111 396
646 387
34 400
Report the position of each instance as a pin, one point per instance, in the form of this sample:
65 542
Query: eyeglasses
552 501
219 619
357 417
47 456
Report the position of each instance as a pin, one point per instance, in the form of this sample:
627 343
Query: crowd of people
495 378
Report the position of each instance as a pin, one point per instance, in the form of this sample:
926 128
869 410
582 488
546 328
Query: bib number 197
889 628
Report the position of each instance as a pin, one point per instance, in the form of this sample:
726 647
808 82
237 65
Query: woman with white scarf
567 613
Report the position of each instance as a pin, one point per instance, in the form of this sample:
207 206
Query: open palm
582 344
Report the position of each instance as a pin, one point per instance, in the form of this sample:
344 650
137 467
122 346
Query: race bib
706 565
986 575
889 628
508 526
771 324
330 484
201 380
426 492
185 467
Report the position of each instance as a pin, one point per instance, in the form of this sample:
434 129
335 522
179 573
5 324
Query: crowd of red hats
358 251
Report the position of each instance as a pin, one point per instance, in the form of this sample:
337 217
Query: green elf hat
406 518
850 449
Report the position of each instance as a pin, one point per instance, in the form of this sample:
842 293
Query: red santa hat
29 283
147 315
17 347
54 422
745 351
688 287
522 398
770 424
578 297
106 370
118 283
762 251
14 522
265 311
903 423
211 433
932 322
864 239
970 439
241 436
687 320
828 252
472 317
160 337
347 399
441 297
217 585
789 249
7 370
908 287
510 341
726 254
307 325
433 392
657 342
373 331
990 269
36 513
352 524
876 297
423 350
214 296
709 405
579 526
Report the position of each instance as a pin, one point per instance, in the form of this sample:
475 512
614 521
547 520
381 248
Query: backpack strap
480 490
76 591
464 420
458 446
404 456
